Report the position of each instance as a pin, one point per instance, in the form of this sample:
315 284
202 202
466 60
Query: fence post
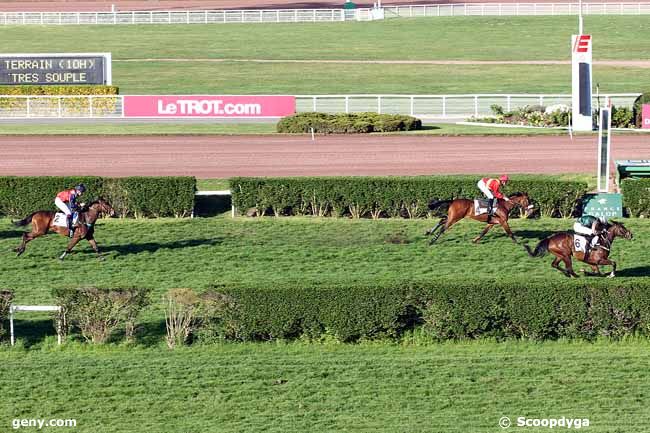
378 104
277 16
475 106
313 15
60 19
29 109
347 104
541 99
90 103
295 15
205 17
132 17
78 18
169 17
59 106
11 325
314 104
508 103
412 103
187 17
261 16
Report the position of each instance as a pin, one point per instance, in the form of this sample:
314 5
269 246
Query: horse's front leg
93 244
606 262
487 228
74 241
506 228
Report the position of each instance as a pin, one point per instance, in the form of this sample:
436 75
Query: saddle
481 206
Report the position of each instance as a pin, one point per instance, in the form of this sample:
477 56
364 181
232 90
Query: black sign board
53 69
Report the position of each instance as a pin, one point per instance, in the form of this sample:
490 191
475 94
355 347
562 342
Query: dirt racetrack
225 156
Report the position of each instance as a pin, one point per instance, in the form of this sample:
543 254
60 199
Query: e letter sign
60 68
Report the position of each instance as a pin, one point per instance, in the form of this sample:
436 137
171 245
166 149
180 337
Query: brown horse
463 208
562 246
43 221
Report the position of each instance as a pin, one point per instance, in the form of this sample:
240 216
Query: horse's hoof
612 275
476 241
101 258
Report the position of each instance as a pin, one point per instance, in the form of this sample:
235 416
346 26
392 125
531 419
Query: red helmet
504 178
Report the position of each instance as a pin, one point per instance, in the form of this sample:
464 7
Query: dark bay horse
463 208
562 246
43 222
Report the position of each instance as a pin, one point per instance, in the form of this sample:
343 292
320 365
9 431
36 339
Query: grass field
469 38
453 387
159 128
168 253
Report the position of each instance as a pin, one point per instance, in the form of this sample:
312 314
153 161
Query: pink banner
645 116
209 106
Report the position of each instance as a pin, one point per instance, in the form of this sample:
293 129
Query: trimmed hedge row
129 196
446 309
389 196
361 123
636 197
59 90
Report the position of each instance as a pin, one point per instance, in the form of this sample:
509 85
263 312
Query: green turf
212 184
314 78
468 38
139 128
453 387
168 253
159 128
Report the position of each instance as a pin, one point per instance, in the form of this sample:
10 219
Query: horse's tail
24 221
435 204
540 250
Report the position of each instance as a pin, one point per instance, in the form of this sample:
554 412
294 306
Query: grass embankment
450 38
452 387
169 253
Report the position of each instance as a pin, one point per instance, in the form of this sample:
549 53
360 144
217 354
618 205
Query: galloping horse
462 208
43 221
562 246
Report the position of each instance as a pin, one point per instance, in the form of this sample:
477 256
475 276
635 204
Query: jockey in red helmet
491 189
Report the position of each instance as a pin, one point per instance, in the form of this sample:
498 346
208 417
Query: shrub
643 98
388 196
6 296
97 312
347 123
181 306
130 196
622 117
636 197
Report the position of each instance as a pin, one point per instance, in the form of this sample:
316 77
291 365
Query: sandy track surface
130 5
224 156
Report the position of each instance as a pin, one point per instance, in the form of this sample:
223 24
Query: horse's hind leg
569 267
26 238
483 233
443 228
433 230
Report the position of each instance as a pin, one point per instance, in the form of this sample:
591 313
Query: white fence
317 15
425 106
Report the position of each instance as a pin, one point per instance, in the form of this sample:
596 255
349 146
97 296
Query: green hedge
59 90
129 196
388 196
323 123
636 197
446 310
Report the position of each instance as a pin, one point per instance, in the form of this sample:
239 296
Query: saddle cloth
481 206
579 243
60 220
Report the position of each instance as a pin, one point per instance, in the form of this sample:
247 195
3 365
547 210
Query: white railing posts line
32 308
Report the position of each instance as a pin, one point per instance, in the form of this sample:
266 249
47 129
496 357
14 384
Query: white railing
317 15
425 106
176 17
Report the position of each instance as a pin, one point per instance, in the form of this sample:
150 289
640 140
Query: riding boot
489 209
70 227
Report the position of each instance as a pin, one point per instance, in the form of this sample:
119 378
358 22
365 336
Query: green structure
603 205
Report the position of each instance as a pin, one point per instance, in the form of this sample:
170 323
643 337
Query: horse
43 221
462 208
562 246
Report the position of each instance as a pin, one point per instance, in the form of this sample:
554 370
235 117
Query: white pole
11 324
580 17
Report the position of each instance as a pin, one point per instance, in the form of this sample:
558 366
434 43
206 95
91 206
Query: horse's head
616 229
103 207
522 200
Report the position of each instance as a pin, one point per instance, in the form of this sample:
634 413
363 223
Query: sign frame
108 66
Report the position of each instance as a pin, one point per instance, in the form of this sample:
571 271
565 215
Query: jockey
589 226
491 189
67 201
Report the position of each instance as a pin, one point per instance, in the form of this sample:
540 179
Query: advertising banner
645 116
231 106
